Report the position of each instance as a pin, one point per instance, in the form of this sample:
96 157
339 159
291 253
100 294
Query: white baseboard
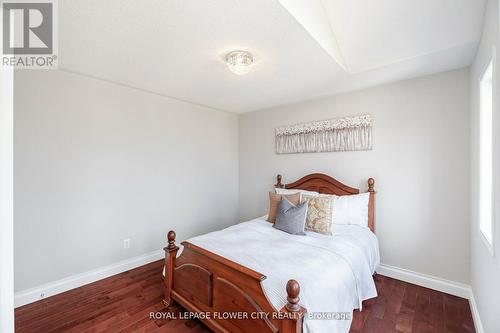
475 314
428 281
436 283
50 289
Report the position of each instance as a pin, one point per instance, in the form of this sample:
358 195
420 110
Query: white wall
6 201
485 269
420 162
96 163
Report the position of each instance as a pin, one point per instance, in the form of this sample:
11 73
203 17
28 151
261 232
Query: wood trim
325 184
320 183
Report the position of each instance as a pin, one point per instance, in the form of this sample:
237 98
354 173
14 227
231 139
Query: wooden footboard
227 296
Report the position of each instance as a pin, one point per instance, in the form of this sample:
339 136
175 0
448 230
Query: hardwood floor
122 303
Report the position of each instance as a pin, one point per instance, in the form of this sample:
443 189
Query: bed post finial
371 185
171 240
278 182
170 255
293 291
293 312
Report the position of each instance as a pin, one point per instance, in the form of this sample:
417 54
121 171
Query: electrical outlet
126 243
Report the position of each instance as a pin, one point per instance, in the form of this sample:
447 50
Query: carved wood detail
229 297
320 183
194 282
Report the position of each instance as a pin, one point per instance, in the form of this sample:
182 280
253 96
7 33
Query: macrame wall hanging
340 134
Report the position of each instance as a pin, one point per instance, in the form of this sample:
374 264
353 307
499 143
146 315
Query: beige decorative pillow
274 202
319 213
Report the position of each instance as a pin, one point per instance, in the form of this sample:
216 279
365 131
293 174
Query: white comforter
334 272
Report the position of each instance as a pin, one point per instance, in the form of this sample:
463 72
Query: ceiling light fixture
239 62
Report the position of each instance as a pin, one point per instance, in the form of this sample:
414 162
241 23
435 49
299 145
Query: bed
248 277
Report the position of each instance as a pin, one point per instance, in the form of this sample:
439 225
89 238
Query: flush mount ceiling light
239 62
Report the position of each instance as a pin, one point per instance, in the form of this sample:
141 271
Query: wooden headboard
327 185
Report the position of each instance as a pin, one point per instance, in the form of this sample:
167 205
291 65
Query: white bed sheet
334 272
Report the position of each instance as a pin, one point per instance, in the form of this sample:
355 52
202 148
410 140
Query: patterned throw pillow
319 213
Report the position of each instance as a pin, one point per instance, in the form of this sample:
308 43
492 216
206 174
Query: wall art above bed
340 134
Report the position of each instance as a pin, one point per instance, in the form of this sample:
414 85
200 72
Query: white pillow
351 209
285 191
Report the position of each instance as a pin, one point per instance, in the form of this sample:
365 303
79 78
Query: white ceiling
303 49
